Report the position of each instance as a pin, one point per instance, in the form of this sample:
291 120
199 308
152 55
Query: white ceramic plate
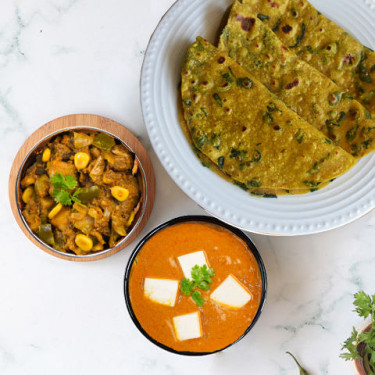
347 198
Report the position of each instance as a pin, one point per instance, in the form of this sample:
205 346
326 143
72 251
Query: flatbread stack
264 117
321 43
314 96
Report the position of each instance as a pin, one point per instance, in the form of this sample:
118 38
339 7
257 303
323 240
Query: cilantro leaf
75 197
186 286
201 278
365 307
203 273
203 285
62 187
59 181
62 196
365 304
351 347
197 297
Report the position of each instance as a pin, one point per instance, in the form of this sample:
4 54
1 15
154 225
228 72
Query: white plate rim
209 204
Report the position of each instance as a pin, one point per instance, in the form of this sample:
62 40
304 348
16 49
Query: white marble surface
68 56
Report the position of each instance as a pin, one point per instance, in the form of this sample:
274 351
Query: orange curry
226 254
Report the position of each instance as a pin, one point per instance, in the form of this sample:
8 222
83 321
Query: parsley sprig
201 277
365 307
62 189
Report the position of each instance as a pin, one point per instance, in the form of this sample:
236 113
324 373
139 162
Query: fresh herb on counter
302 371
362 345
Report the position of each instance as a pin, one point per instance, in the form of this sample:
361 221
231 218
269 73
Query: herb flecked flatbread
321 43
315 97
225 109
259 192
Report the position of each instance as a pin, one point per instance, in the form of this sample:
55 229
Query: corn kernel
83 242
55 210
81 160
28 194
120 193
131 219
46 155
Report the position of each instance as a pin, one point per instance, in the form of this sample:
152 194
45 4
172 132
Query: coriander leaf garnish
365 307
187 286
60 181
62 187
62 196
197 297
201 278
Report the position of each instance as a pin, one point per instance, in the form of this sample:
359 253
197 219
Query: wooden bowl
41 136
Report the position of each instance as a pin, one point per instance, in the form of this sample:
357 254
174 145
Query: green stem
302 371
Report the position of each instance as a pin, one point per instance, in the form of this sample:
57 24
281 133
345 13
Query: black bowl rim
185 219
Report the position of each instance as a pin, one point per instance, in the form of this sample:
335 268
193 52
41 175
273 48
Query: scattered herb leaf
257 155
362 70
276 27
227 77
365 307
237 154
300 37
299 136
245 83
263 17
335 98
220 162
218 99
254 183
302 371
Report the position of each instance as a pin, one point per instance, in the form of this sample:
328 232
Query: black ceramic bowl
186 219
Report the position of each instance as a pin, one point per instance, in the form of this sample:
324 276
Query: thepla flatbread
315 97
247 132
321 43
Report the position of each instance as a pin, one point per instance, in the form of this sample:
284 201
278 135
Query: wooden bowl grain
41 136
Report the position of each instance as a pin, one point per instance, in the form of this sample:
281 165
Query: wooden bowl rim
93 123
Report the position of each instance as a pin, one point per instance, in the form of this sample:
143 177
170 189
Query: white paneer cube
162 291
188 261
231 293
187 326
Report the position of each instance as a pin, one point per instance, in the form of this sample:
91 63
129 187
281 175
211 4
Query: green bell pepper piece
45 234
88 193
104 142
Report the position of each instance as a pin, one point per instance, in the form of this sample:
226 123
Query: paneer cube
163 291
231 293
187 326
188 261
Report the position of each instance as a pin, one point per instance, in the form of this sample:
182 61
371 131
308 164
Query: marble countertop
79 56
